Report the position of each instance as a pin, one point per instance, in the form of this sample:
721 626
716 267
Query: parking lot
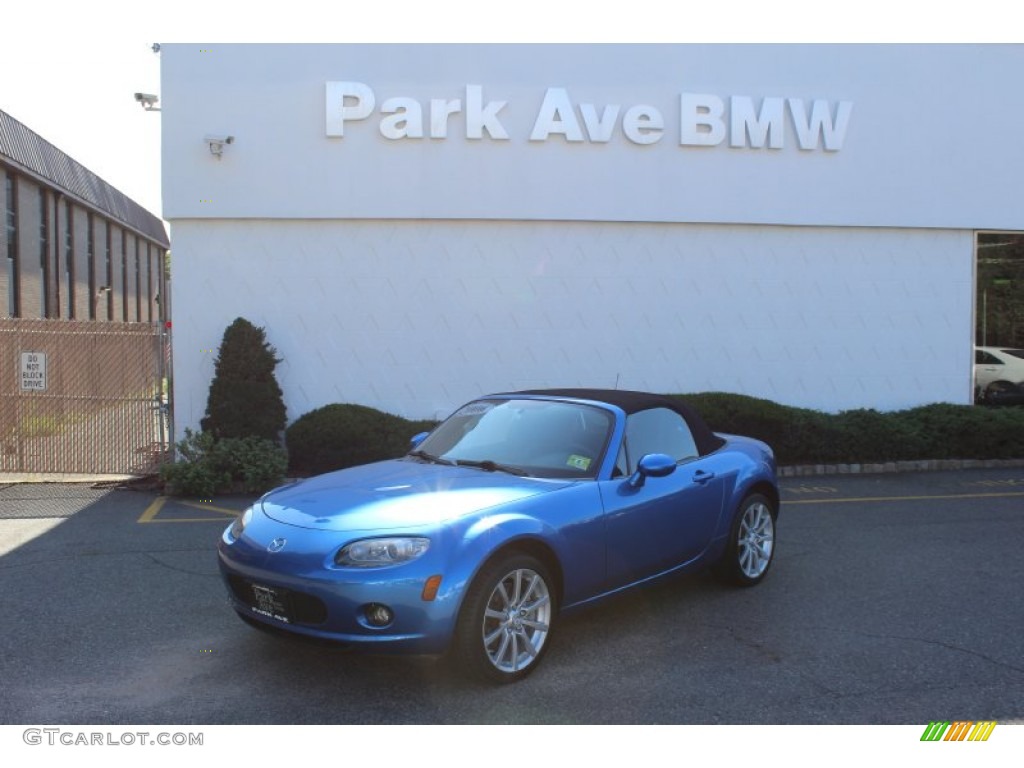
893 599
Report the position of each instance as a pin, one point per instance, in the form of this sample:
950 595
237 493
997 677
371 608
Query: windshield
542 438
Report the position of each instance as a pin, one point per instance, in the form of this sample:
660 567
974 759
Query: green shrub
870 436
245 399
207 466
803 436
254 464
966 431
345 435
793 433
196 471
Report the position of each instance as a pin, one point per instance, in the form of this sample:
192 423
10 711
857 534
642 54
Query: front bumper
296 592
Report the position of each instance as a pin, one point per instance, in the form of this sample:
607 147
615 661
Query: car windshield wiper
492 466
431 458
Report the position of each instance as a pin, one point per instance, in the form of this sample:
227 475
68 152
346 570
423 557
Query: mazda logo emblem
276 545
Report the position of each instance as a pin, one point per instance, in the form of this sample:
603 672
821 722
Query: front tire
504 628
751 547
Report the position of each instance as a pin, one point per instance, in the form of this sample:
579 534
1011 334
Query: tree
245 399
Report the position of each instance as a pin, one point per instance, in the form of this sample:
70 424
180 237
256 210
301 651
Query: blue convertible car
519 506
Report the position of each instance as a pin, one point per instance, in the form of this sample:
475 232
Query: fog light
378 615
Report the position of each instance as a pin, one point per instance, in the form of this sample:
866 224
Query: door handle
701 477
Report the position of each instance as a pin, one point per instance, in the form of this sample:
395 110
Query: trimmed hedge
803 436
345 435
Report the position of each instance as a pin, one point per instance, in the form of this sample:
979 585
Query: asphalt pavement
893 599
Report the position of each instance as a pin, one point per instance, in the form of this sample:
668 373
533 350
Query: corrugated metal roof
26 148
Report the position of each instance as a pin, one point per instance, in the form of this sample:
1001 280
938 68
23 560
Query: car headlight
375 553
240 522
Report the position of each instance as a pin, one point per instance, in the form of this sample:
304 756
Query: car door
666 521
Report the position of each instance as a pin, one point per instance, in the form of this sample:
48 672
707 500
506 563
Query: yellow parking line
789 503
153 509
211 507
189 520
150 515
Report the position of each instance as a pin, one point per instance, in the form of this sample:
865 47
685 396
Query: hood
396 494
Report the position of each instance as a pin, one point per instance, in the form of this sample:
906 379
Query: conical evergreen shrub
245 399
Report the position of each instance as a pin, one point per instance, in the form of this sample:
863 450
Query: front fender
569 523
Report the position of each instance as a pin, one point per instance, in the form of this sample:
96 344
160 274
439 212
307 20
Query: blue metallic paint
604 535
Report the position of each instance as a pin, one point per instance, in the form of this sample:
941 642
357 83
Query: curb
13 478
890 467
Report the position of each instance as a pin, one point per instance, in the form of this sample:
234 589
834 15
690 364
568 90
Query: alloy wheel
756 540
517 620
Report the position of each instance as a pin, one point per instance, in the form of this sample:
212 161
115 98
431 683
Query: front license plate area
272 602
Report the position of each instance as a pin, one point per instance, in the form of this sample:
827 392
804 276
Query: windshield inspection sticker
579 462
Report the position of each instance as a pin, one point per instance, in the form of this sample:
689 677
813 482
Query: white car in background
997 371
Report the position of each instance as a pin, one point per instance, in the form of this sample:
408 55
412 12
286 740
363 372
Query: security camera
148 101
217 144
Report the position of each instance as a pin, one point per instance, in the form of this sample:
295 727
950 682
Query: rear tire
751 548
996 391
504 628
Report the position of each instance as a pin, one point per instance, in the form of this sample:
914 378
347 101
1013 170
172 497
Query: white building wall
436 229
931 137
416 317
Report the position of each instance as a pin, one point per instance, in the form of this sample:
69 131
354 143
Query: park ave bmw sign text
705 120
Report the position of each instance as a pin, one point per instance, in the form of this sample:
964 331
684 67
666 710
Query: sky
69 69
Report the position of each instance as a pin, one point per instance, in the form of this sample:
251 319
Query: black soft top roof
632 402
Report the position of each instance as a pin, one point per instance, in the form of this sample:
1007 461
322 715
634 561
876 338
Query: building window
149 279
69 258
124 276
55 235
138 284
90 261
999 301
109 271
11 225
44 253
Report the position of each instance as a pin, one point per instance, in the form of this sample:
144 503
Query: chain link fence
82 397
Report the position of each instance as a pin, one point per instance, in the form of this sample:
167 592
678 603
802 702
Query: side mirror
417 439
652 465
